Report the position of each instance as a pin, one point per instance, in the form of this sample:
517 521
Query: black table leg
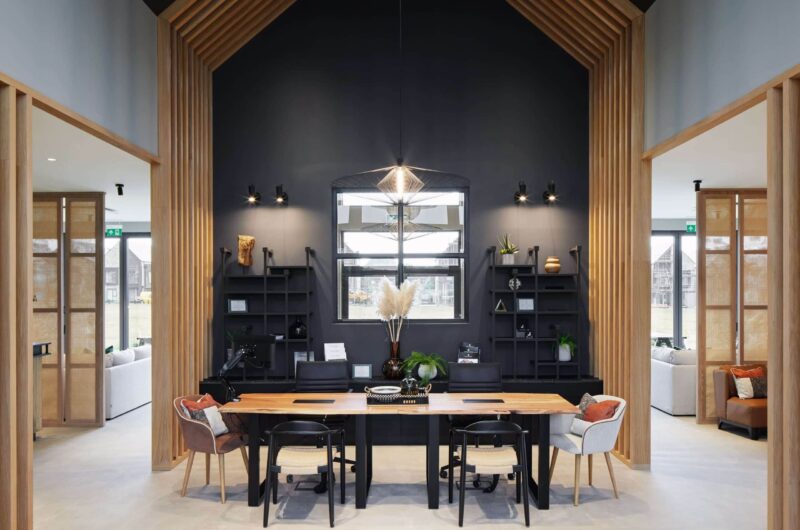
369 453
432 462
253 464
544 462
361 461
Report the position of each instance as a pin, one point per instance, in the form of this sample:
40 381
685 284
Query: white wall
96 57
703 54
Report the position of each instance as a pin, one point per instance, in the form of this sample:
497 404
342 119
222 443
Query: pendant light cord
402 78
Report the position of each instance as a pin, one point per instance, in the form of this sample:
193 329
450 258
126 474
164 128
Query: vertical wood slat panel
791 302
24 300
8 309
775 309
183 195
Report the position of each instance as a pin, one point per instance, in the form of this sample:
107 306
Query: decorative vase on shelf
393 366
552 265
507 259
564 353
298 330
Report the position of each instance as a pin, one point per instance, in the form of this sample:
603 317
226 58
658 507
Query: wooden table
529 406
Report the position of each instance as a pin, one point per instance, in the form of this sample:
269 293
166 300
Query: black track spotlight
697 184
120 189
521 195
253 197
281 197
549 196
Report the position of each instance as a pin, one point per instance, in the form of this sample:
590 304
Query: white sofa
128 380
673 381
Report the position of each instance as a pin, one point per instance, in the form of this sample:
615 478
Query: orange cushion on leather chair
752 372
600 411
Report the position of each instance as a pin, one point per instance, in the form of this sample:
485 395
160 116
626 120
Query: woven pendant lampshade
400 184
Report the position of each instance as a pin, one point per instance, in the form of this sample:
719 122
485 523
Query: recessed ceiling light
51 159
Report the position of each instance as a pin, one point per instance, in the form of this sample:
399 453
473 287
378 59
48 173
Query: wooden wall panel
182 231
608 39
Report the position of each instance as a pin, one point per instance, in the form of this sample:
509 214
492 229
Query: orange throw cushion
600 411
753 372
203 403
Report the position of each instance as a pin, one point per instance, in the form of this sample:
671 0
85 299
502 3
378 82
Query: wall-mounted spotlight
521 195
281 197
253 197
120 190
697 184
549 196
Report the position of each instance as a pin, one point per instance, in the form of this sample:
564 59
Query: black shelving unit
276 298
556 309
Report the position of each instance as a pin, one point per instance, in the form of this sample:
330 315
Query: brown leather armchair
200 439
749 414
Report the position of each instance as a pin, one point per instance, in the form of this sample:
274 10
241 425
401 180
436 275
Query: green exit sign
114 231
691 228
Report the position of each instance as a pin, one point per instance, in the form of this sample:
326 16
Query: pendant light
400 183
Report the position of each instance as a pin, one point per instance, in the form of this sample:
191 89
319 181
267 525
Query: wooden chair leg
553 463
188 472
208 468
611 472
590 470
577 479
222 478
244 459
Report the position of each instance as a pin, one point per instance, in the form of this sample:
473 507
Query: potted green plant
429 365
507 250
566 347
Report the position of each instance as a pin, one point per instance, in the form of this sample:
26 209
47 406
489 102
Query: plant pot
552 265
393 366
564 353
507 259
427 371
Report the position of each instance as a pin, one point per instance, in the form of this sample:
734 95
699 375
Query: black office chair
284 457
318 377
471 377
510 459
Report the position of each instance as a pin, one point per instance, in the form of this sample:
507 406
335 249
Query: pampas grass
394 305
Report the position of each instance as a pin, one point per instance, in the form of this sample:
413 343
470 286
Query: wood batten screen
607 37
215 30
16 415
783 181
182 236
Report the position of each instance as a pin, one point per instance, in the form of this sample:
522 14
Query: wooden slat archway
605 36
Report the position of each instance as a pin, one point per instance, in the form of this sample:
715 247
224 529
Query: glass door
136 319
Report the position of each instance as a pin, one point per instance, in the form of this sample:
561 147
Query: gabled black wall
315 97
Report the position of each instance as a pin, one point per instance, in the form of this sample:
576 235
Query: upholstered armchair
581 438
201 439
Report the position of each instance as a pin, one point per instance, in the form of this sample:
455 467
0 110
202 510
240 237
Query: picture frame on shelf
362 371
525 304
237 305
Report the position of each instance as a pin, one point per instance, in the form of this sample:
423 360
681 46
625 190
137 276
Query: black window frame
677 282
340 283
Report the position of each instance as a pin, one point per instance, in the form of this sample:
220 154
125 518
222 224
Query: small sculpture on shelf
245 255
552 265
298 330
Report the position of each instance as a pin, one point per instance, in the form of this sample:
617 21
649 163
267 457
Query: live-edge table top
315 404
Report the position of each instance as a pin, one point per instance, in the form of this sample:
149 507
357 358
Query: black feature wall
316 96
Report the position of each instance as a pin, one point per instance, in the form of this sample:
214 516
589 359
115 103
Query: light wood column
775 293
8 309
791 303
24 299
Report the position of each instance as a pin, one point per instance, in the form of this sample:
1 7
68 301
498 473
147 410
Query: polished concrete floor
701 478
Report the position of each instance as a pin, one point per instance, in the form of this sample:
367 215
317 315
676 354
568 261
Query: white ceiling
85 163
731 155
